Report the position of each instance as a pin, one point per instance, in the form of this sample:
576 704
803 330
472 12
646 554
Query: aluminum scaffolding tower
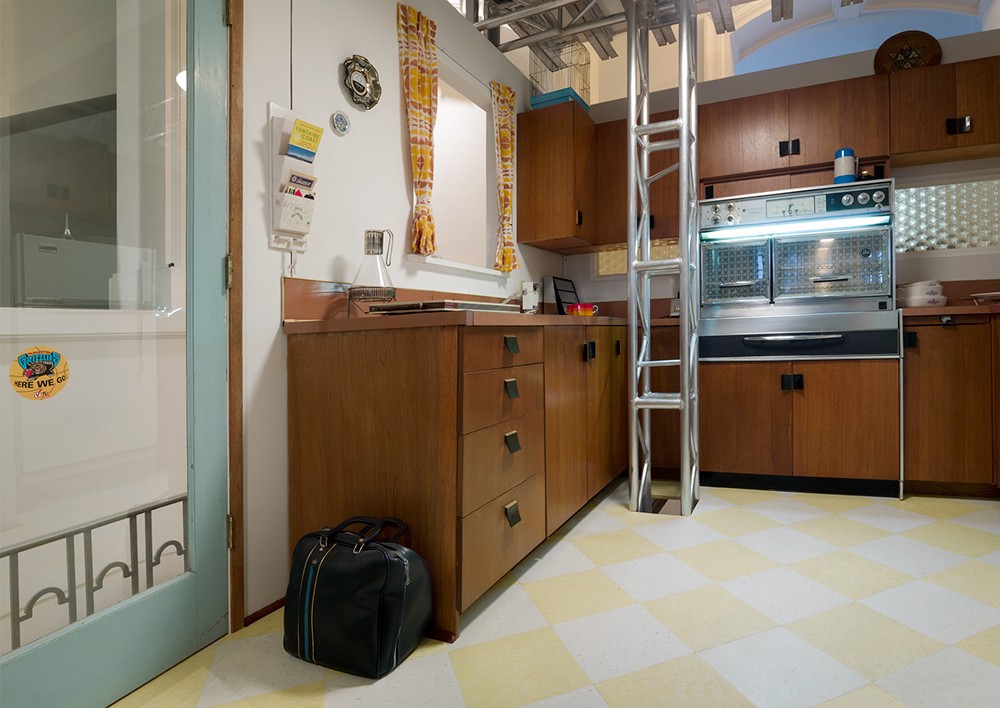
642 268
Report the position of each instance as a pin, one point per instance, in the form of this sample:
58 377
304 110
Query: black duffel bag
356 603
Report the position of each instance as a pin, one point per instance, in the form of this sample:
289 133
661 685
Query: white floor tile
784 595
777 668
992 559
786 510
551 560
943 679
785 545
252 666
618 642
908 556
655 576
597 521
425 681
501 612
888 518
709 502
679 533
586 697
985 520
934 610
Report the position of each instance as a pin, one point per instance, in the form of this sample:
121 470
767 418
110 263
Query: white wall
294 51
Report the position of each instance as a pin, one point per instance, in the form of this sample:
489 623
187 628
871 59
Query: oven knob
730 219
879 196
716 219
730 207
847 200
716 208
863 198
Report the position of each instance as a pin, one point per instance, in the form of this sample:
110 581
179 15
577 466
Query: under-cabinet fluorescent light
796 227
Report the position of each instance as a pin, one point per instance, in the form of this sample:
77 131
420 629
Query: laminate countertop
443 319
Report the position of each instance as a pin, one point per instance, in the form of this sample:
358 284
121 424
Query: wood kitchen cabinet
794 129
556 179
925 99
804 418
947 412
585 415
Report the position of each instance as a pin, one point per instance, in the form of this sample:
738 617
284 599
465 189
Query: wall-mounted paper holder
291 214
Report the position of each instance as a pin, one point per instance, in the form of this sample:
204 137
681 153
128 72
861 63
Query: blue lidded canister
845 166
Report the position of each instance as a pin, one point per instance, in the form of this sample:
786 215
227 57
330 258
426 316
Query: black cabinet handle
618 347
512 442
592 349
909 339
792 382
579 218
959 125
510 344
510 386
512 513
782 148
794 148
788 147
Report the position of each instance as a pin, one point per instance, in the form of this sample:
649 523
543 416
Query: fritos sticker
39 373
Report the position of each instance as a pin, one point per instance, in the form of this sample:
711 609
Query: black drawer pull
510 386
792 382
909 339
510 344
957 126
512 441
512 513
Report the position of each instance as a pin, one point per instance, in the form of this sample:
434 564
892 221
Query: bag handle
401 527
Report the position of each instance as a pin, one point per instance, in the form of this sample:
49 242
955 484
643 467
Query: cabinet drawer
490 546
489 468
496 395
491 347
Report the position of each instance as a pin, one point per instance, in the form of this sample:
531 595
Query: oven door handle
829 278
739 284
779 338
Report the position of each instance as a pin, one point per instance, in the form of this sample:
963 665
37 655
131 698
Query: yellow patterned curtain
504 133
419 66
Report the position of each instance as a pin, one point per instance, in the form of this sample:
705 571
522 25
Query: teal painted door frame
105 656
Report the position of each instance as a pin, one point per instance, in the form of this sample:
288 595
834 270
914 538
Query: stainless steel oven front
804 273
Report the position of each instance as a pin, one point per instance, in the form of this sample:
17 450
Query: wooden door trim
237 607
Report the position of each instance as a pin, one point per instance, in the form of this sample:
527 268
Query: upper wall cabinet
556 177
795 128
945 112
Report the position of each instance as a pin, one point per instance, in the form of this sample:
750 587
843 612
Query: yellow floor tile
985 645
839 530
688 681
735 522
620 513
307 695
708 617
957 539
516 670
834 503
616 546
851 574
576 595
742 497
274 622
938 507
865 640
428 647
724 560
870 696
177 688
974 579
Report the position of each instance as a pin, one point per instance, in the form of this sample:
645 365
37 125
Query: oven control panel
868 197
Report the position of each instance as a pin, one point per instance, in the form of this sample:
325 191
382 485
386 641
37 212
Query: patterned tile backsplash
939 217
964 215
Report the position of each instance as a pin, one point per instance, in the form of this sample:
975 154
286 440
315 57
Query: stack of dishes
926 293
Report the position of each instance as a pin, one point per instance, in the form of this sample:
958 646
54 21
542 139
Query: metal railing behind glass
139 571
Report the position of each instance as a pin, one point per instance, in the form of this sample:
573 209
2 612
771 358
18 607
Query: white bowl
922 301
918 284
916 290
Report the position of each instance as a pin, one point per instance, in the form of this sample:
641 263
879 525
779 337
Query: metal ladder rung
667 401
654 363
661 145
665 266
664 126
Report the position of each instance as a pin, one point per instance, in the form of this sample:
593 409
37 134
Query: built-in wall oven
805 273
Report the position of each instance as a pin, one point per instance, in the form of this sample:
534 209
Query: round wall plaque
361 80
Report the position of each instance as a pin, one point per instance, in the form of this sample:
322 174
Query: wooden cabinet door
977 88
664 205
947 399
555 176
744 418
566 484
610 198
605 407
665 425
853 113
742 135
921 100
845 419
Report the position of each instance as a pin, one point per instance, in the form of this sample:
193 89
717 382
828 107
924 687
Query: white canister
845 166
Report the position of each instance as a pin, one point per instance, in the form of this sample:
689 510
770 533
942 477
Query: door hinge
229 531
229 271
227 15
